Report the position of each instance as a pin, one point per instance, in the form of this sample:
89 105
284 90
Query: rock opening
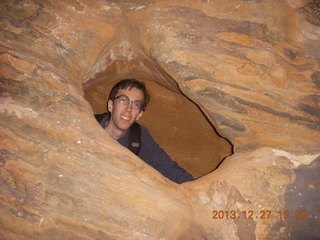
176 123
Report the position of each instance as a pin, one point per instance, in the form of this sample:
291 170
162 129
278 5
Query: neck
114 133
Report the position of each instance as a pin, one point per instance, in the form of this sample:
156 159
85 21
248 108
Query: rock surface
252 67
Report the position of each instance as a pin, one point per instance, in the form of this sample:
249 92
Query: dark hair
130 83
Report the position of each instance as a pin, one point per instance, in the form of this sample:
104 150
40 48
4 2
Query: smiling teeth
125 118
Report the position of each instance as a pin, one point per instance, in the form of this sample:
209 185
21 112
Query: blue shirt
154 155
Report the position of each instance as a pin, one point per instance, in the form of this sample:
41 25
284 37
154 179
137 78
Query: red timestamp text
261 214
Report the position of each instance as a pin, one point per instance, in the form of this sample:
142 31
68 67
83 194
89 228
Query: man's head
129 84
126 104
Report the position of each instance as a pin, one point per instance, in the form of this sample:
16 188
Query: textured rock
252 67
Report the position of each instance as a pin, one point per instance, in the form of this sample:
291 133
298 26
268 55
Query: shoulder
100 116
143 128
147 139
144 131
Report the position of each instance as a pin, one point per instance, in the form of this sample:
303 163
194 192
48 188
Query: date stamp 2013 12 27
260 214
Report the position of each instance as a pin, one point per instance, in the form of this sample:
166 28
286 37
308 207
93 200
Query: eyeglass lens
124 100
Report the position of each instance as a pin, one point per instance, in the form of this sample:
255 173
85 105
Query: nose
129 107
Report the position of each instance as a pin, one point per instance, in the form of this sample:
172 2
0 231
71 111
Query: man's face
124 115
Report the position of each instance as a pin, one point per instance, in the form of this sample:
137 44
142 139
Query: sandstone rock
251 67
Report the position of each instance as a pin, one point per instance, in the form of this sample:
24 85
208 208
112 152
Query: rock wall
252 67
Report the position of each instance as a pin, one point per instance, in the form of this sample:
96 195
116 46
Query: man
126 103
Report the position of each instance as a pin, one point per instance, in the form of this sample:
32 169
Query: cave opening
175 121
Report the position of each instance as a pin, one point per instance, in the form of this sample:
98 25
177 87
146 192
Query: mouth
125 118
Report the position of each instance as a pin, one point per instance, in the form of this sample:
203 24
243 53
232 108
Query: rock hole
176 123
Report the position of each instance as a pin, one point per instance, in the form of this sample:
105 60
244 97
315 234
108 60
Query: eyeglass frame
127 101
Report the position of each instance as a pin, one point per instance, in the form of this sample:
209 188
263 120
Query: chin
124 127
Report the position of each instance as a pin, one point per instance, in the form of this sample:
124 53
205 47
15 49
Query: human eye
123 100
137 105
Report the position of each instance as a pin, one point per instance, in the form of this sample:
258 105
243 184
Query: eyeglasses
125 101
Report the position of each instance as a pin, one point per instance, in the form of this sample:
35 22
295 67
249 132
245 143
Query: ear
139 115
110 105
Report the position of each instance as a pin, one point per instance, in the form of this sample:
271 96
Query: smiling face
123 115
